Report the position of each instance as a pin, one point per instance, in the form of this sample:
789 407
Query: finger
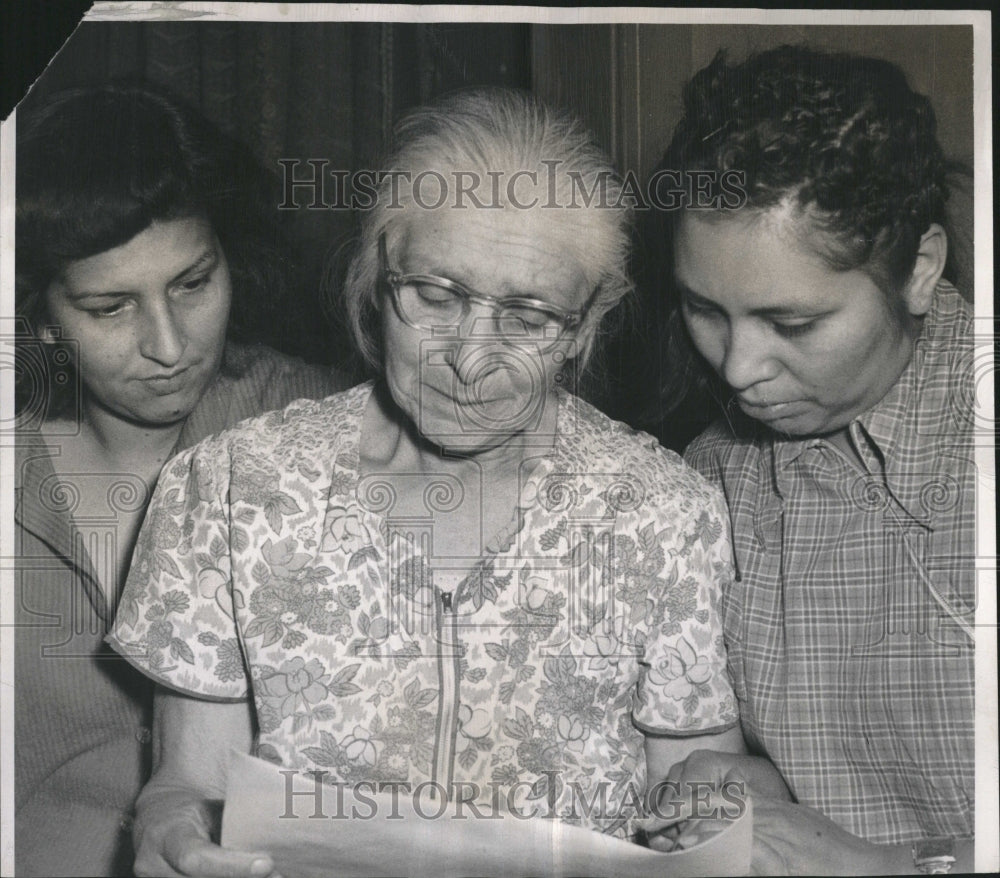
660 843
735 786
201 858
675 800
655 823
666 806
697 765
699 768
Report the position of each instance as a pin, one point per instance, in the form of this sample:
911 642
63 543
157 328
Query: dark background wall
626 81
300 91
331 91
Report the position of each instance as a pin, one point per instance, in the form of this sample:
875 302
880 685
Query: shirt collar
882 425
885 423
33 507
894 424
786 451
891 426
40 509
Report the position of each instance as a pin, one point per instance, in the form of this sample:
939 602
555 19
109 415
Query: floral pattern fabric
268 567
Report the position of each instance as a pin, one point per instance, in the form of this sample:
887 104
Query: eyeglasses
428 302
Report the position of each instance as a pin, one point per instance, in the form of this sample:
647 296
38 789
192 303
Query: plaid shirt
849 675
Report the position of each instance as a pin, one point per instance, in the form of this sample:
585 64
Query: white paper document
317 832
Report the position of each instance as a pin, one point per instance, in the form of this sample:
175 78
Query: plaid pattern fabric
849 675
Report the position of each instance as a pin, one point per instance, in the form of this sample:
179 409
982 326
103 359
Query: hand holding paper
327 830
174 837
708 785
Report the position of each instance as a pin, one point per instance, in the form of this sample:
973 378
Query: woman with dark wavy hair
145 259
817 307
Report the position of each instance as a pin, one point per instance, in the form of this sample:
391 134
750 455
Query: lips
168 382
472 399
768 410
762 405
470 396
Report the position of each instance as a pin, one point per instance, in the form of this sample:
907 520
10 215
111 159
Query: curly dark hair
840 137
95 167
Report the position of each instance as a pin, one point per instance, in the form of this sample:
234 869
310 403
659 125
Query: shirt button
126 824
143 735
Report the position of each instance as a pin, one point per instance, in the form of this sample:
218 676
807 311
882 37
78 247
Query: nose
746 359
480 351
162 339
475 361
480 323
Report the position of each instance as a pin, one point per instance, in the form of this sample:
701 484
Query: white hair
497 134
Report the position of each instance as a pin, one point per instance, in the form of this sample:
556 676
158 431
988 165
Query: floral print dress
268 568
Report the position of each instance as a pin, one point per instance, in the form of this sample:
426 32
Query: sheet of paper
318 833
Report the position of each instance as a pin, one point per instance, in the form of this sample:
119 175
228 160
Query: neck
395 443
129 446
493 466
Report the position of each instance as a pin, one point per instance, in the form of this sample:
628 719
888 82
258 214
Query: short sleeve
175 619
683 686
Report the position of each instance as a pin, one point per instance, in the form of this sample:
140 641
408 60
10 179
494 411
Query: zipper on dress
442 768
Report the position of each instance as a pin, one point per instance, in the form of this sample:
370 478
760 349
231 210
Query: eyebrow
207 257
767 312
531 295
210 255
460 278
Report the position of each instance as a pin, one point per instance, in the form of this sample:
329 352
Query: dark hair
840 137
96 166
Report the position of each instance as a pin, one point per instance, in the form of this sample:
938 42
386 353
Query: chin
466 443
802 428
161 416
164 419
790 428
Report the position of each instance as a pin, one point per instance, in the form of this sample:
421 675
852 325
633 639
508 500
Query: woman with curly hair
146 260
815 307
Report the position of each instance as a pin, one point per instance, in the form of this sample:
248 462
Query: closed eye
529 317
433 294
112 310
794 330
695 306
195 284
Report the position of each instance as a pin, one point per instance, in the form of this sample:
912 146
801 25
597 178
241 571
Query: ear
931 256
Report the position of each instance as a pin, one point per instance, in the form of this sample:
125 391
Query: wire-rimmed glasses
429 302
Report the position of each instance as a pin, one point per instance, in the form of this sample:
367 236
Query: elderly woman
459 572
138 230
845 454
